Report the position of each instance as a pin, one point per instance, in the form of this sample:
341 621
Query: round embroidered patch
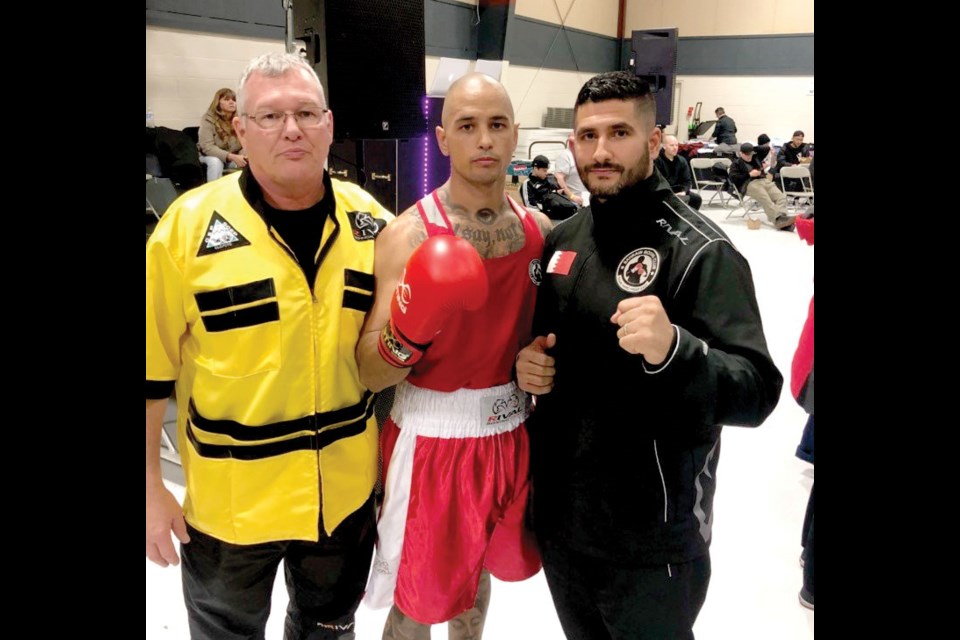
536 274
638 269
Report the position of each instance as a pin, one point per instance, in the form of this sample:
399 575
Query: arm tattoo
418 232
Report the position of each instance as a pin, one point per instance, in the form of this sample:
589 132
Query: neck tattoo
486 216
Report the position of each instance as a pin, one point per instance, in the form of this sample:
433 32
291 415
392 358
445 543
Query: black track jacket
625 454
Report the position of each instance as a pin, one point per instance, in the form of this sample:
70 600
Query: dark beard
628 177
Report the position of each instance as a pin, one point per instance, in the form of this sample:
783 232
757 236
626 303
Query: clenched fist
644 329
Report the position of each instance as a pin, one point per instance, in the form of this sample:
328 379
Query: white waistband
464 413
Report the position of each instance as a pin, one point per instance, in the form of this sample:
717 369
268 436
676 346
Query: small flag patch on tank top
560 262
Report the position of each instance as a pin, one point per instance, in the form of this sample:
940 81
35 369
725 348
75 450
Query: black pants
808 544
601 600
692 199
227 587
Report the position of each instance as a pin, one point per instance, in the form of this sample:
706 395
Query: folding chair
717 186
160 194
801 173
746 203
524 192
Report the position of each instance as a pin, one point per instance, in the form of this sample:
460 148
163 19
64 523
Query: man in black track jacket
649 336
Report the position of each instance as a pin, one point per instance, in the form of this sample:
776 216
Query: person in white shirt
569 180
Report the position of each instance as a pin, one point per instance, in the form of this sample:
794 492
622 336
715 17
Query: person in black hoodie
794 152
762 148
648 304
542 191
676 170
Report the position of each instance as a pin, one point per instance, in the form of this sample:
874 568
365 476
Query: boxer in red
456 281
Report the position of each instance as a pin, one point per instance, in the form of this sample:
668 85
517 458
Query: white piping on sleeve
662 481
669 359
694 259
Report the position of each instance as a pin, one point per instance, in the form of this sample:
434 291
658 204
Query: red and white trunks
456 484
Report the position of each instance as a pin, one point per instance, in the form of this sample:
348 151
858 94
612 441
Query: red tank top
476 349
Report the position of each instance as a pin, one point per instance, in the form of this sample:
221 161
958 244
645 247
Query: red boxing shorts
456 483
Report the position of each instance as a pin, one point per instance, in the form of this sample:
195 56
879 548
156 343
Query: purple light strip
426 142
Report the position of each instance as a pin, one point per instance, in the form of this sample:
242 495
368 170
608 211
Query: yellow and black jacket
271 410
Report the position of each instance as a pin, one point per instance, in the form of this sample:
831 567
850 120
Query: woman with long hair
217 141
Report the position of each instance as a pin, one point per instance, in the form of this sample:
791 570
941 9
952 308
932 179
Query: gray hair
274 65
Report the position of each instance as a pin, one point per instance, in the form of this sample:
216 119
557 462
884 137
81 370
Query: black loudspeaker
655 60
395 172
369 55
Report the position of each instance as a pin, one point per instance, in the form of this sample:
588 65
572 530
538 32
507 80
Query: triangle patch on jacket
220 236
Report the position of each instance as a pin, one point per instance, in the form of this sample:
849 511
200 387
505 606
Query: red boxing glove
444 275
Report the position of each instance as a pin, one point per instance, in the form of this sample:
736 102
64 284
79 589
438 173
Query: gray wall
774 55
532 43
249 18
450 31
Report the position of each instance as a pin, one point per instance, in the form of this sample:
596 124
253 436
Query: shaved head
670 146
471 87
478 133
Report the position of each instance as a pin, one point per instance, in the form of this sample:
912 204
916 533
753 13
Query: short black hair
719 112
617 85
763 139
797 133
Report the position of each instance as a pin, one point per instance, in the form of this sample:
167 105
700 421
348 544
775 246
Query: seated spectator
762 148
791 154
542 191
676 170
217 142
750 178
568 177
794 152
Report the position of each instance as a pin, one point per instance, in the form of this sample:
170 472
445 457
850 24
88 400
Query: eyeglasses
305 118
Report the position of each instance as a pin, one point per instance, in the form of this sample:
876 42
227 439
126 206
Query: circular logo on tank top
536 274
638 269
